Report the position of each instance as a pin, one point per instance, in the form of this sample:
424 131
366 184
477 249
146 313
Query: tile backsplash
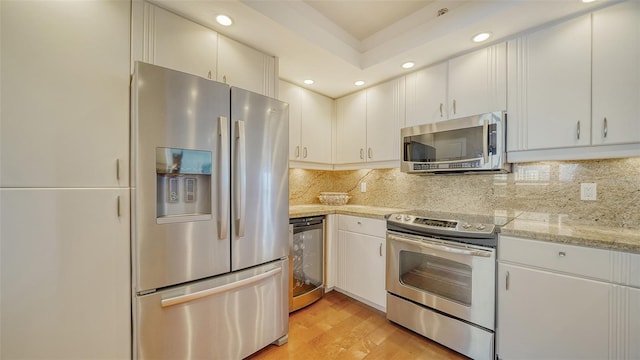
542 187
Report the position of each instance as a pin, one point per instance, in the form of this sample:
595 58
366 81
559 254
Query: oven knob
480 227
398 217
466 225
407 218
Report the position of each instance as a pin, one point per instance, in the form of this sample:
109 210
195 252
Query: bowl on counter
334 198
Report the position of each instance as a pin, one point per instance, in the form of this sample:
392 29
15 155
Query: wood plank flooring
338 327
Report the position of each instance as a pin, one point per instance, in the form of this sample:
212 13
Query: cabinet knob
562 254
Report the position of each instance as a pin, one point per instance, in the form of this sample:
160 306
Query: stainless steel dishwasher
306 257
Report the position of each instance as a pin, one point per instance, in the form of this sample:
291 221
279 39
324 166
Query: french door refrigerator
210 234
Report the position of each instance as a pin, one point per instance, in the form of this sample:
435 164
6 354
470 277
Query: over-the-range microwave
470 144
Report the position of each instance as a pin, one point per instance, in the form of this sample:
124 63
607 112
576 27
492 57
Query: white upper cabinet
245 67
180 44
368 124
385 113
616 74
310 119
426 95
478 82
351 117
65 94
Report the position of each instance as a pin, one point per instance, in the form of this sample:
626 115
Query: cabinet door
177 43
351 128
633 329
245 67
361 266
65 94
426 95
385 112
65 274
478 82
316 127
550 86
616 74
292 95
543 315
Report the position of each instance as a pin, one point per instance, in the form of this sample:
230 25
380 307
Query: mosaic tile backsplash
541 187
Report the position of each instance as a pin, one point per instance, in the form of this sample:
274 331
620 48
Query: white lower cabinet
544 315
558 301
65 274
361 262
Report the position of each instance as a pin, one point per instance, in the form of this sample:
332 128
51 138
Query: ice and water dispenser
183 185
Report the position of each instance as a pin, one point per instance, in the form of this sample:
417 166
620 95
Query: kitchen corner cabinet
245 67
65 274
178 43
310 126
361 259
616 74
65 94
368 125
566 302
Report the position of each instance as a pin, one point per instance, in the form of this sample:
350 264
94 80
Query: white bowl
334 198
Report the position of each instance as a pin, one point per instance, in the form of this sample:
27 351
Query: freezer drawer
229 317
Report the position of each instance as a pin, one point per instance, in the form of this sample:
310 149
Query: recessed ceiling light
359 83
224 20
588 1
309 82
481 37
408 65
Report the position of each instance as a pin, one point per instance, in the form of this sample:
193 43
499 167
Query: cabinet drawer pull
578 130
209 75
440 109
362 153
297 151
562 254
117 169
454 106
118 207
304 152
380 249
370 153
605 130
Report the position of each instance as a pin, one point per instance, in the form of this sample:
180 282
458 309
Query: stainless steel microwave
471 144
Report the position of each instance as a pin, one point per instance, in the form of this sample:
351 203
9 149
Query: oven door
453 278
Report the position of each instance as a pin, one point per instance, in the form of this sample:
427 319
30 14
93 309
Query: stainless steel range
440 279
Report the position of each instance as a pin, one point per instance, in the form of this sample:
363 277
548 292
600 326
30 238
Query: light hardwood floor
338 327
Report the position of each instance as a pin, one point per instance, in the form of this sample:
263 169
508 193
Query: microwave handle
485 143
446 248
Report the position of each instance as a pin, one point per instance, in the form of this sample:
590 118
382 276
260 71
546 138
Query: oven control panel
451 227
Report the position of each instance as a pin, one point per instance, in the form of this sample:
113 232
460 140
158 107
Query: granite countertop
537 226
561 229
375 212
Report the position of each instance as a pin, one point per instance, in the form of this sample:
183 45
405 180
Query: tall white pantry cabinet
64 160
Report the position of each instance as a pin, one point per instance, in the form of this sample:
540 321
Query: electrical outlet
363 187
588 191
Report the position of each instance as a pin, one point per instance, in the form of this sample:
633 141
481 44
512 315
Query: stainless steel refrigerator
210 233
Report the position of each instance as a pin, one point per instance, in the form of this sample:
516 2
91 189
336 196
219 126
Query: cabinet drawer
582 261
367 226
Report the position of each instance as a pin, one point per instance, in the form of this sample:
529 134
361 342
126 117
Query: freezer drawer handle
220 289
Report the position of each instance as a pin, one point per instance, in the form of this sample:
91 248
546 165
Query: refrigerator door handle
223 171
242 175
219 289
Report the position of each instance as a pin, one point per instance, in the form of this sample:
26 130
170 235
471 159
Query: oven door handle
445 248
